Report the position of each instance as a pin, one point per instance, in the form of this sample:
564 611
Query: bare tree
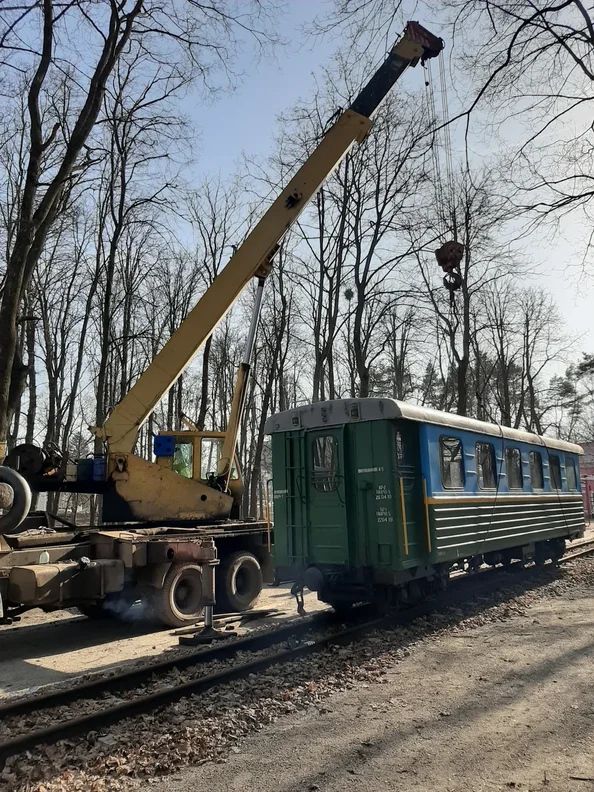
214 218
486 261
194 36
269 371
380 197
394 375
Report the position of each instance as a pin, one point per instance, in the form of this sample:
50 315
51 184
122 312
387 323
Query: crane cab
195 455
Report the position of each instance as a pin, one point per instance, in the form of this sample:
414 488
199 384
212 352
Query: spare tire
21 499
239 582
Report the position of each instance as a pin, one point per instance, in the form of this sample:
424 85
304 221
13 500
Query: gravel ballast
304 706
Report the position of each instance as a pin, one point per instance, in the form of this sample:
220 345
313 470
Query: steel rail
146 702
579 550
81 724
137 676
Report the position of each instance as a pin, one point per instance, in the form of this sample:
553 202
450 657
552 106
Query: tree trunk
204 383
36 218
32 377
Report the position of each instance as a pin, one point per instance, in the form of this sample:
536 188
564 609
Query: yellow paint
404 525
427 523
121 427
501 498
156 493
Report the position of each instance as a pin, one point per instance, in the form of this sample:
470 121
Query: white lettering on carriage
370 470
383 492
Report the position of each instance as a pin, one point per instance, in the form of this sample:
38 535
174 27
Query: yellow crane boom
252 258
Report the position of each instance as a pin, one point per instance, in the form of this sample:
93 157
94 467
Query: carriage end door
327 515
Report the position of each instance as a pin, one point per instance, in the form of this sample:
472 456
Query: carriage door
326 519
409 492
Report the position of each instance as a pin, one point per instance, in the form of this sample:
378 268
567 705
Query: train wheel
179 602
439 583
541 553
239 582
416 592
342 609
475 563
557 549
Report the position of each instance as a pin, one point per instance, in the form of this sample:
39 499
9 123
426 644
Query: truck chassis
104 570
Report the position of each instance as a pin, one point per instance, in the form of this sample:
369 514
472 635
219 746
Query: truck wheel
239 582
179 602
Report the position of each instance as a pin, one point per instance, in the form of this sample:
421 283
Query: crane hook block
449 255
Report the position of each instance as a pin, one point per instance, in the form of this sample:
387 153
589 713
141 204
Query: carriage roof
342 411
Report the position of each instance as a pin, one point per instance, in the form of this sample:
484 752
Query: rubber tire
229 599
163 601
21 500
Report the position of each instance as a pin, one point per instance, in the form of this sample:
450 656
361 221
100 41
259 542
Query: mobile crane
161 518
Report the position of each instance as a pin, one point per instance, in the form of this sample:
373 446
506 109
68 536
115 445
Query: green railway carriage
379 498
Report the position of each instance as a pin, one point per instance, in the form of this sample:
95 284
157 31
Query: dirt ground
504 706
48 648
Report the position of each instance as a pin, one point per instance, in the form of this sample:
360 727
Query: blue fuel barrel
99 469
84 469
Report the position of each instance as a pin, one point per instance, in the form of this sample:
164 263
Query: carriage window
485 465
324 463
570 473
452 462
513 464
536 477
182 459
555 471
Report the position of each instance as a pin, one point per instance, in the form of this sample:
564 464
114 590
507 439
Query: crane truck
166 522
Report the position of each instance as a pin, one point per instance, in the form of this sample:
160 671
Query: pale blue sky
243 122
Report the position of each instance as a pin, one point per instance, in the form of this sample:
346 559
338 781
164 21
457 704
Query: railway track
295 639
578 550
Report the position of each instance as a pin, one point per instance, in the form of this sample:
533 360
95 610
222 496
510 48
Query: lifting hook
449 256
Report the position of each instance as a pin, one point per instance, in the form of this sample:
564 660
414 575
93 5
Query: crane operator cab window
210 453
194 457
211 448
183 459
